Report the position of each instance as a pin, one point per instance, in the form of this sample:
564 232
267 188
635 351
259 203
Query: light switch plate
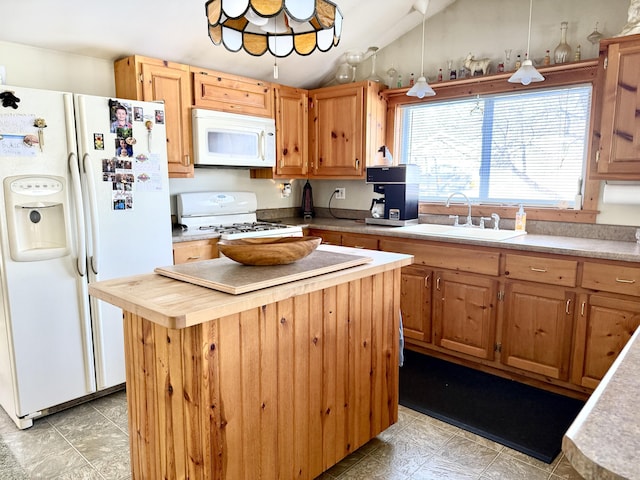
3 75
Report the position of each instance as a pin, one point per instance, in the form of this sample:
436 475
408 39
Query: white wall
482 27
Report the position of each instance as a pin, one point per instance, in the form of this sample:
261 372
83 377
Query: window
506 148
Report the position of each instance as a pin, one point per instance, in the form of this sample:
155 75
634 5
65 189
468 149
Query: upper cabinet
149 79
346 129
618 152
232 93
292 132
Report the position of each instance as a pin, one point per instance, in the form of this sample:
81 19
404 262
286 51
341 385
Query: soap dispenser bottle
521 220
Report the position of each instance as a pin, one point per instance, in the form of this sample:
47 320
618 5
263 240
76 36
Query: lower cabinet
415 302
194 251
538 328
465 313
604 326
554 321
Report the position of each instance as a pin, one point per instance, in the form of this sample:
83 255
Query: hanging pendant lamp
254 25
421 88
527 73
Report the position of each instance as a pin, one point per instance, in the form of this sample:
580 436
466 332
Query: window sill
549 214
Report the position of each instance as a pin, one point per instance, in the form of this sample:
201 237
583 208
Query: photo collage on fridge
133 167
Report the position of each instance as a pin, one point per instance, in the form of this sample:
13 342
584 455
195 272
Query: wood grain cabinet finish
538 328
556 321
232 93
346 127
285 390
195 251
604 326
618 155
415 303
552 271
465 313
150 79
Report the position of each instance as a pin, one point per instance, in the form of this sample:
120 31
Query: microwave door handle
263 145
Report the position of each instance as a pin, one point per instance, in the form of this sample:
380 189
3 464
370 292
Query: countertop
176 304
604 440
562 245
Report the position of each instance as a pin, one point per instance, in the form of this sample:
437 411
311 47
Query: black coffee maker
400 186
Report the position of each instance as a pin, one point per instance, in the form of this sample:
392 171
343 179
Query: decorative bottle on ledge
562 53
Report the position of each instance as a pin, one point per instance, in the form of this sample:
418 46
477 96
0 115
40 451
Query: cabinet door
538 327
292 132
336 138
605 325
173 86
232 93
464 313
620 100
415 303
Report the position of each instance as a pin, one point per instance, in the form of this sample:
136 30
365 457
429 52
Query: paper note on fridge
13 129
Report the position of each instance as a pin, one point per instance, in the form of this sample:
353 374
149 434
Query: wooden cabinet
538 328
618 155
465 313
232 93
606 320
415 302
604 326
292 132
346 129
539 317
149 79
194 251
354 240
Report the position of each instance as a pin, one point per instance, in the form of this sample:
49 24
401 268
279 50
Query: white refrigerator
85 197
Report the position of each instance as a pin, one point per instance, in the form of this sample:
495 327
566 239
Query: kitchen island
282 382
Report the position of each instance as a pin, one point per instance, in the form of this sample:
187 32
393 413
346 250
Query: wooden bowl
268 250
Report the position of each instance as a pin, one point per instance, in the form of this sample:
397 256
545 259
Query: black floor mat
519 416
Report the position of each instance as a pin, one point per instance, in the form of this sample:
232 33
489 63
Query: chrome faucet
469 223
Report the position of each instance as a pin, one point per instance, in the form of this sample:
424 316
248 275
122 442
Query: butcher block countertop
177 304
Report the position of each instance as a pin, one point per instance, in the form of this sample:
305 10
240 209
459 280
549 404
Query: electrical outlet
341 193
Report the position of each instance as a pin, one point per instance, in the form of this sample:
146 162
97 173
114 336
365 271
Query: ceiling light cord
527 73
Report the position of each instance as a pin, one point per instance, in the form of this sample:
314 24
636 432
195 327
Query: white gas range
230 214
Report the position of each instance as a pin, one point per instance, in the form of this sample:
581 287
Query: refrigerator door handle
74 168
93 207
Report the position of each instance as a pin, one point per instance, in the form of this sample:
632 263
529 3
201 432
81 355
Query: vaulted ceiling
177 31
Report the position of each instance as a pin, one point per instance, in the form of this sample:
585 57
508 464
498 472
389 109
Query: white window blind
508 148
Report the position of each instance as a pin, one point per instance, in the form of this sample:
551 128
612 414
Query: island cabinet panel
285 390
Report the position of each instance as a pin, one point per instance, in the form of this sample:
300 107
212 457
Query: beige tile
373 470
507 467
565 470
439 468
471 456
548 467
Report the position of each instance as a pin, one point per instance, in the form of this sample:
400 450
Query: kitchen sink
472 233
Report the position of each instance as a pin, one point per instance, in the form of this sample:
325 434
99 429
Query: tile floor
90 442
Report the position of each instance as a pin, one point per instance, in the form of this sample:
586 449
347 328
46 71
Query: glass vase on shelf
562 53
373 76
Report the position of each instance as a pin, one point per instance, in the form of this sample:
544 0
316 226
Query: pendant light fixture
279 27
421 88
527 73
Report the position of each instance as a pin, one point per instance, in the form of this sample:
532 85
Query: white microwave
232 139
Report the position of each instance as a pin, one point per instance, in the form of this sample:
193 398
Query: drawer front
360 241
185 252
551 271
611 278
451 258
